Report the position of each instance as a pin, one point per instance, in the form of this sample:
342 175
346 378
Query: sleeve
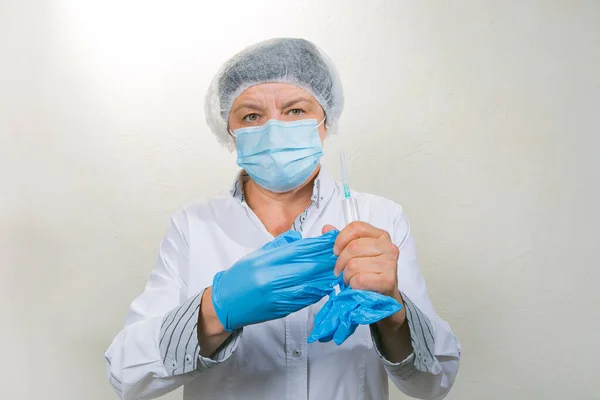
157 351
430 371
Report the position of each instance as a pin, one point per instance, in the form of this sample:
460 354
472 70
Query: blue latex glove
280 278
342 313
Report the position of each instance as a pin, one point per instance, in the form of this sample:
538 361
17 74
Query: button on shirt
158 351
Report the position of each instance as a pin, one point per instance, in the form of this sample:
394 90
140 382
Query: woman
222 314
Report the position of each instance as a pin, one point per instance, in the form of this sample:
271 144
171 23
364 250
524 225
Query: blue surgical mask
279 156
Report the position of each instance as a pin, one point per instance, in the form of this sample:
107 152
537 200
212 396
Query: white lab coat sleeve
429 372
157 350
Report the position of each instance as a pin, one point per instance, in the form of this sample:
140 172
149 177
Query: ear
323 130
231 134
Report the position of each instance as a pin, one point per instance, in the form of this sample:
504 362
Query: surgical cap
294 61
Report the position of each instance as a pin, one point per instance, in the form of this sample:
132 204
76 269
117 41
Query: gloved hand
368 253
280 278
342 313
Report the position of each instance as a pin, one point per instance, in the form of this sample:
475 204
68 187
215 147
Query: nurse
240 277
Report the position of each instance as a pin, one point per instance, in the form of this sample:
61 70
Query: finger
370 265
367 247
328 228
380 283
361 247
354 231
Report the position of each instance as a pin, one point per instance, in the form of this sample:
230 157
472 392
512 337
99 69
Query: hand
368 259
281 277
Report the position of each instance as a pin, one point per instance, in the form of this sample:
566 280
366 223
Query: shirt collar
237 189
323 188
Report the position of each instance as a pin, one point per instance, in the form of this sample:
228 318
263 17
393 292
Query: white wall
480 117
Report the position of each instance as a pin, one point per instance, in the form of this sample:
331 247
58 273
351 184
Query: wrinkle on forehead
274 94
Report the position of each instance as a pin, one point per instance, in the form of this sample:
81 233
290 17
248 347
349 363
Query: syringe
349 203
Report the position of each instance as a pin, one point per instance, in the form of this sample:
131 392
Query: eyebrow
250 106
290 103
257 107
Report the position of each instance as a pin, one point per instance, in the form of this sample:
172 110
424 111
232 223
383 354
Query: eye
251 117
296 112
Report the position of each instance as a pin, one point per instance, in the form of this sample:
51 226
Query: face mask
279 156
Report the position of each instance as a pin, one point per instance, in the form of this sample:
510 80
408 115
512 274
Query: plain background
482 118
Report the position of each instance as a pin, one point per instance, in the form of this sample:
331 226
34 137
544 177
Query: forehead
273 91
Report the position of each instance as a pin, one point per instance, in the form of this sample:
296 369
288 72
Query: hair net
294 61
